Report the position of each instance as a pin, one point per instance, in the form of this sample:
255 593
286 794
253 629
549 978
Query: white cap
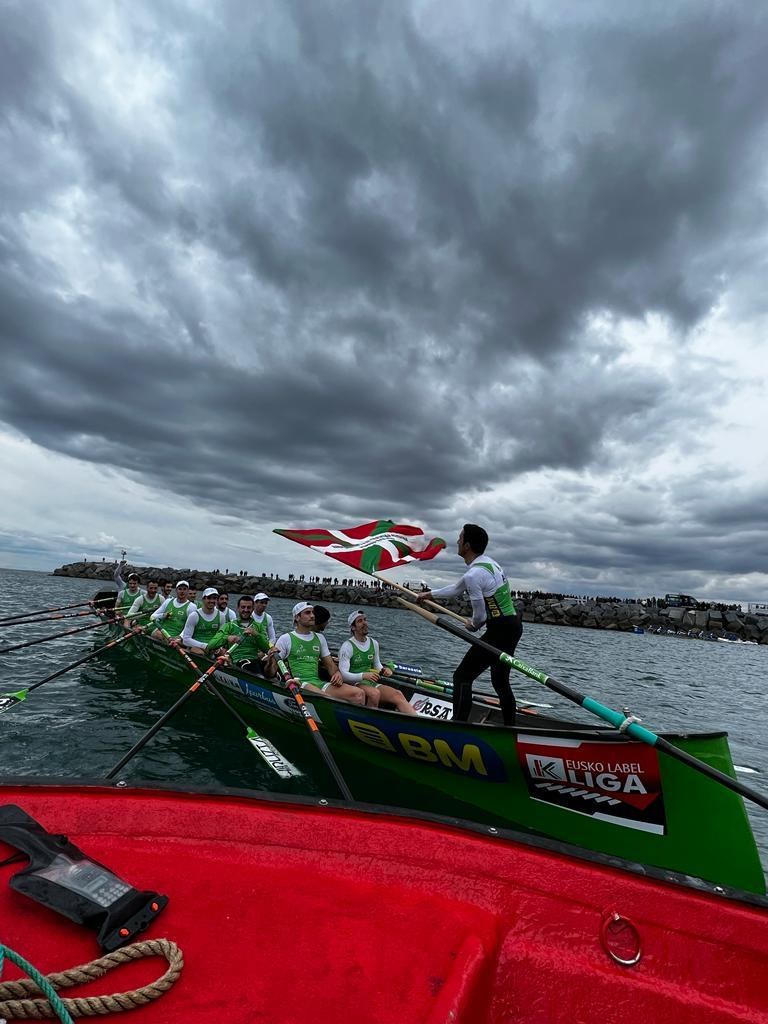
261 597
301 607
354 615
183 583
210 592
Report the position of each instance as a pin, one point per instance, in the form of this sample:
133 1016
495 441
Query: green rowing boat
589 786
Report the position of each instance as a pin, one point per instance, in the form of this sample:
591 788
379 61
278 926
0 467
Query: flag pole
432 604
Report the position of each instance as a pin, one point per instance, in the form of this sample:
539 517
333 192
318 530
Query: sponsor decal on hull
281 704
431 707
453 750
615 782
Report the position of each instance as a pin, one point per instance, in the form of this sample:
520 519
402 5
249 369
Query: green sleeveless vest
125 599
150 604
362 661
174 619
261 627
304 658
499 603
205 631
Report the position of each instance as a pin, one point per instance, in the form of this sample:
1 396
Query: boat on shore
289 909
589 786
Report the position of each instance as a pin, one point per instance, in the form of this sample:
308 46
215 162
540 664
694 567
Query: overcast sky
314 263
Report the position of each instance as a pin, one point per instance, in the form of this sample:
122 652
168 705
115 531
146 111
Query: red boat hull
299 912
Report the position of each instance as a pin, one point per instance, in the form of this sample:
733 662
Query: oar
48 618
9 700
484 700
60 608
53 636
198 683
287 679
279 764
416 677
614 718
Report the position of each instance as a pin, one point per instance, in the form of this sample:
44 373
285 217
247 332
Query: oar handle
406 590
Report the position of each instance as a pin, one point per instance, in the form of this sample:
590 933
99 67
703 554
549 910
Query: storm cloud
308 264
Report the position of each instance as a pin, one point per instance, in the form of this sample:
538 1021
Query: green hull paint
476 772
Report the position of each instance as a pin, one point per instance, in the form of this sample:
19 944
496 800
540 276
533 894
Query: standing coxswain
493 608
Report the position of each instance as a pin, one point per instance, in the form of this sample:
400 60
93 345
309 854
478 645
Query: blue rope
43 984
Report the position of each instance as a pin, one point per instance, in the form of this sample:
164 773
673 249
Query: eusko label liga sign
616 782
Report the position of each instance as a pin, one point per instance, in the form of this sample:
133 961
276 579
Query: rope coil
17 997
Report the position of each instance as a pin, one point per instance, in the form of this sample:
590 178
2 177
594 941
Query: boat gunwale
463 826
605 732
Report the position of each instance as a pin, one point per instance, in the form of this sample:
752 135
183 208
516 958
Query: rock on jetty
584 613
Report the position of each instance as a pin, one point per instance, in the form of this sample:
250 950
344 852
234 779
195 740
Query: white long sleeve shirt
478 583
345 657
194 616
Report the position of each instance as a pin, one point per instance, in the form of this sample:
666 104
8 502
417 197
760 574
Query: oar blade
10 700
279 765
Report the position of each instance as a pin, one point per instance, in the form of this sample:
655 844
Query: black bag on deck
63 878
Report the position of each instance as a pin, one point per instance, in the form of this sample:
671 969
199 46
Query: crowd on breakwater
611 613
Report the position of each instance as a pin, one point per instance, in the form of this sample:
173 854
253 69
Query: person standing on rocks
492 606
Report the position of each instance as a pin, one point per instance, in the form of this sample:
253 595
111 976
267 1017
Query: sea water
79 725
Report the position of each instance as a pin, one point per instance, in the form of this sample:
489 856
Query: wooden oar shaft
82 661
54 636
198 683
47 618
45 611
405 590
614 718
211 687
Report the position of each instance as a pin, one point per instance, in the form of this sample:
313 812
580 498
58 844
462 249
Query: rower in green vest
360 665
144 605
304 650
492 607
203 623
246 642
171 616
127 592
262 618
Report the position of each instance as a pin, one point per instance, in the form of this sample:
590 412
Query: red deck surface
289 914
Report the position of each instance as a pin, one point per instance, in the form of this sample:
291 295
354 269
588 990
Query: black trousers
505 634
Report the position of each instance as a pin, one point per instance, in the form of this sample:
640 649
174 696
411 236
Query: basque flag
370 547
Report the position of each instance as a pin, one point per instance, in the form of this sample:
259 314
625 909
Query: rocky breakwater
585 614
625 616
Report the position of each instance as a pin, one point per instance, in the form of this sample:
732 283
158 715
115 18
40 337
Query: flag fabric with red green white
370 547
